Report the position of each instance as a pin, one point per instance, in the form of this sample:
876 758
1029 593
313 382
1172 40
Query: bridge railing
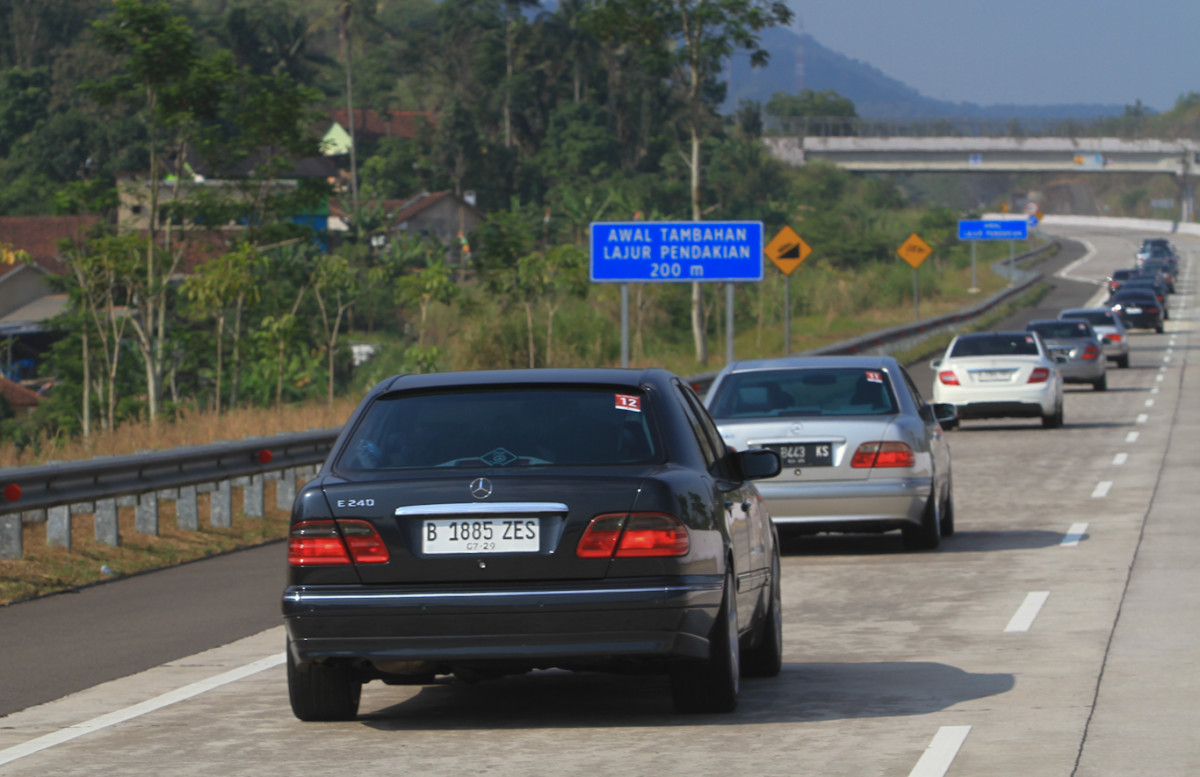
1126 127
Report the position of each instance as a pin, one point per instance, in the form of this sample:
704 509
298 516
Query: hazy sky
1020 51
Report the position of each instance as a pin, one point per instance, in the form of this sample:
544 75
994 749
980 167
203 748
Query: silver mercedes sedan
862 451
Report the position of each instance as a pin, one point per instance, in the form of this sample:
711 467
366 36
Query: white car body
1000 375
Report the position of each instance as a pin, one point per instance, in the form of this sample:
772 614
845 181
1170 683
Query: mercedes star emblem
481 488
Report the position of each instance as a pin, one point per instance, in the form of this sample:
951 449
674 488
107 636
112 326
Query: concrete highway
1053 635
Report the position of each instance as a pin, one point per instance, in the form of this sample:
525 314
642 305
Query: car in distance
1000 375
861 450
1114 340
1077 341
490 523
1138 309
1118 278
1153 284
1163 268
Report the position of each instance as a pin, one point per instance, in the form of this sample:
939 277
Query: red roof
371 124
397 211
16 394
39 236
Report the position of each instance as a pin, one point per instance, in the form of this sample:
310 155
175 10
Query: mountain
799 62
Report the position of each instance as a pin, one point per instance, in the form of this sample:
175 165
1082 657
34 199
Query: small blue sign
676 251
998 229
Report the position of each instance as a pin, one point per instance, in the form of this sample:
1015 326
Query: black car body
1138 309
492 523
1167 269
1153 284
1118 278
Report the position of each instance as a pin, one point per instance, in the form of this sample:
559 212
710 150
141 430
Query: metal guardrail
1126 127
92 486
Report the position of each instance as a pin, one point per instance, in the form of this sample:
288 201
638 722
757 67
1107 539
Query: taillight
1039 375
634 535
1151 309
1090 352
948 378
1114 338
883 454
319 543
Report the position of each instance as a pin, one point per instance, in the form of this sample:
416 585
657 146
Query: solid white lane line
1120 459
137 710
1132 436
1143 418
1102 489
1028 611
938 757
1074 535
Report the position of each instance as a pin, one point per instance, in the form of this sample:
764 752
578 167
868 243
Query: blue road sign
997 229
676 251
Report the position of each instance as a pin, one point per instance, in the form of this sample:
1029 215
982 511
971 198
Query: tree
335 286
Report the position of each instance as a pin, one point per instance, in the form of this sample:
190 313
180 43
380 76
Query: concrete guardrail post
107 529
253 503
187 512
145 514
285 489
58 526
220 508
12 539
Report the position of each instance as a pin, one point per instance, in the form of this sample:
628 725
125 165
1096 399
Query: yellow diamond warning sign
787 250
914 250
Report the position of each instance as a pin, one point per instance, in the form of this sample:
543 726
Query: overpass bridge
1179 158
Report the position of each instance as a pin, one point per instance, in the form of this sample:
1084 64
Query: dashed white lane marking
1028 611
1159 377
1149 403
940 754
1143 418
1132 436
137 710
1074 535
1120 459
1102 489
1155 390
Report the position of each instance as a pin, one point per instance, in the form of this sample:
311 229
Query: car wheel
1102 384
948 513
322 691
766 658
928 535
1159 329
712 685
1054 420
1123 362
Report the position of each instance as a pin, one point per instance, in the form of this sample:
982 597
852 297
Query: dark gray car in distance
488 523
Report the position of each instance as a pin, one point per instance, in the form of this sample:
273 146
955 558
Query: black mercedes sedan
480 524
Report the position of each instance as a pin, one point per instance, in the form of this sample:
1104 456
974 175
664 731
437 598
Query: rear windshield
1121 274
1093 317
996 344
808 391
1061 329
510 427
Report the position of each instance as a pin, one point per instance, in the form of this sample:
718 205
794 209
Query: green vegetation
553 118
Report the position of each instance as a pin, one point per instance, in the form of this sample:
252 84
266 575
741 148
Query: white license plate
480 535
994 376
1133 310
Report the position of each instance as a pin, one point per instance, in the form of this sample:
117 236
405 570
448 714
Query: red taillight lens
1151 309
318 543
1114 338
1039 375
366 546
1090 352
634 535
883 454
948 378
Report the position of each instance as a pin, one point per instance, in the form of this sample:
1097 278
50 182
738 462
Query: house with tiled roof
441 215
23 285
19 398
370 125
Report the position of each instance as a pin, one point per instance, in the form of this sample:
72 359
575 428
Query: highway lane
990 654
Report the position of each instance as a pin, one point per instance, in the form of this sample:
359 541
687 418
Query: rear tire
1053 421
928 535
322 691
712 685
766 658
1102 384
1123 362
1159 329
948 514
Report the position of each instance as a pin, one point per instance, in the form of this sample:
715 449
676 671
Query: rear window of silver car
1062 329
1093 317
816 391
508 427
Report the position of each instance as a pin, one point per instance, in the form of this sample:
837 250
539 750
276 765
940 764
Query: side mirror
935 364
1060 359
759 463
946 414
1105 340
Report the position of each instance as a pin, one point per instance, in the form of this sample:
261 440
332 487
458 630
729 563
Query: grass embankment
45 570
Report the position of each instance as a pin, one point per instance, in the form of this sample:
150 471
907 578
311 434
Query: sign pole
914 250
916 296
625 325
974 281
728 323
787 315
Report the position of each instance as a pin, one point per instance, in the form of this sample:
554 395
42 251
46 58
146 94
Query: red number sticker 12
629 402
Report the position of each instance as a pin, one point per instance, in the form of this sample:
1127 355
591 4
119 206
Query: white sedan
1000 375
